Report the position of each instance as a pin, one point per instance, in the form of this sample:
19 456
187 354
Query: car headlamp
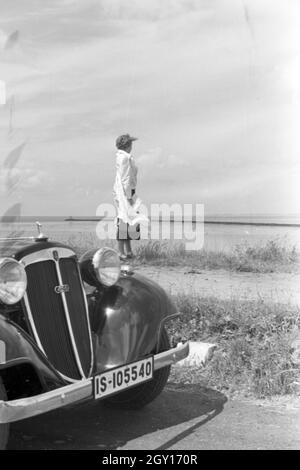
107 266
13 281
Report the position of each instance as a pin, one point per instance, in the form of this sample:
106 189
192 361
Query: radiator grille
49 316
77 308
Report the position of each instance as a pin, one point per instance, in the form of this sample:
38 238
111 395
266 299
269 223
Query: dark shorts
126 231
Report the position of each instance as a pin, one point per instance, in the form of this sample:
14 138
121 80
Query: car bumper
16 410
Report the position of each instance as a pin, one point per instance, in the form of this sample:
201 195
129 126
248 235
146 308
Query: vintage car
78 329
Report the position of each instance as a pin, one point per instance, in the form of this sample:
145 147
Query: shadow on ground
184 408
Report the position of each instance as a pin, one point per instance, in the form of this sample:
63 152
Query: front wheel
4 428
141 395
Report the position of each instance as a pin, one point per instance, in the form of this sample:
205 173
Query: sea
220 232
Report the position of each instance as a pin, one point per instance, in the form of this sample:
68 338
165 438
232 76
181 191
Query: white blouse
125 182
127 170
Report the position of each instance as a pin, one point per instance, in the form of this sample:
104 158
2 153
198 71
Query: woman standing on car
127 203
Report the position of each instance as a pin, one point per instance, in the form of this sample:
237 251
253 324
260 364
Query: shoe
130 255
123 257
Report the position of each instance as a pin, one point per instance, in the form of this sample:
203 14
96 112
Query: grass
254 355
83 241
271 256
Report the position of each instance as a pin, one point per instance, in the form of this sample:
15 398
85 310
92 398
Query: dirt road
276 287
183 417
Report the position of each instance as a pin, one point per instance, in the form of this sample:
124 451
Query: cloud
148 10
156 159
3 39
22 180
220 102
12 40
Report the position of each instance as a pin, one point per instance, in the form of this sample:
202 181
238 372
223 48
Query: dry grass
269 257
82 241
272 256
254 352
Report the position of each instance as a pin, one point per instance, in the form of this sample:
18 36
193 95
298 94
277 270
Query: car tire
4 428
139 396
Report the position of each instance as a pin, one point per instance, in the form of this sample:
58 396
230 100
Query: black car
78 329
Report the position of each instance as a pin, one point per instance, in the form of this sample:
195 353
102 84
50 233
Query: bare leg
128 247
121 245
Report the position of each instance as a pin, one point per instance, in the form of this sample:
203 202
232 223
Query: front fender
127 321
17 347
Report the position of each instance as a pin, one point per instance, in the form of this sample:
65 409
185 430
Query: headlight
13 281
106 263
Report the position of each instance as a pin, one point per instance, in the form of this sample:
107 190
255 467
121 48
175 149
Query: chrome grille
59 320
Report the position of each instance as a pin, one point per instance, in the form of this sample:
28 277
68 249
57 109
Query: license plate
123 377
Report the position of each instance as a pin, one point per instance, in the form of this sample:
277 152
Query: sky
210 87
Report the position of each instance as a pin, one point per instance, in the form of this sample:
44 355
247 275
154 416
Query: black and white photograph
149 227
